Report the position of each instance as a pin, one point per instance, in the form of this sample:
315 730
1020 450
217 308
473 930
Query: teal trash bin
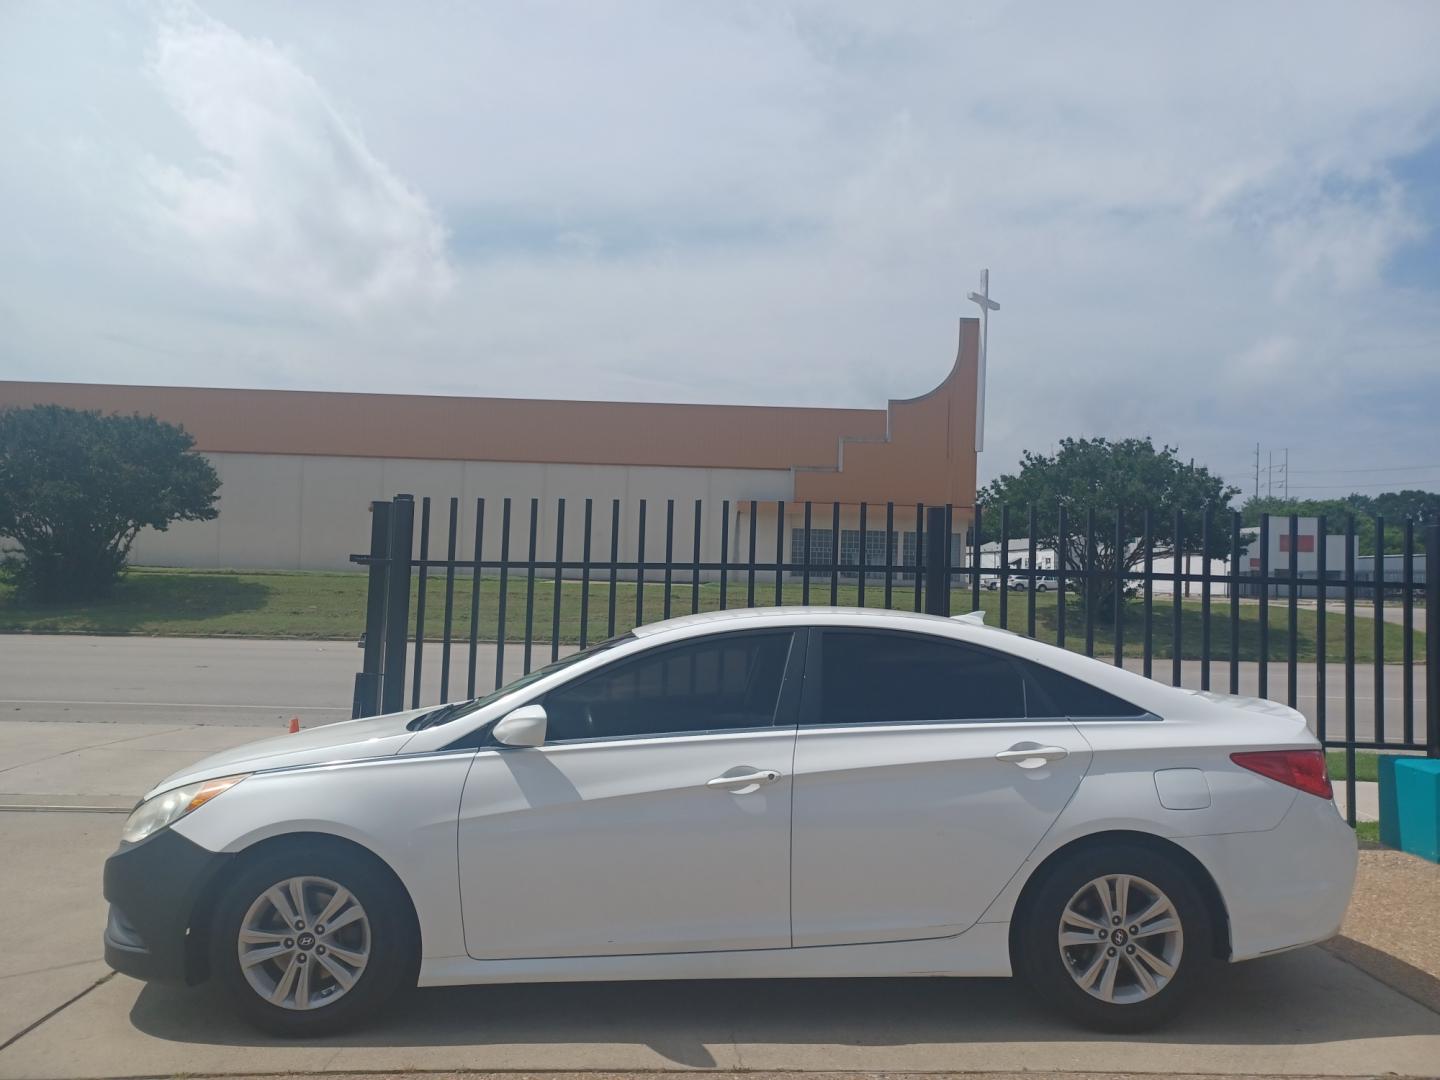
1410 805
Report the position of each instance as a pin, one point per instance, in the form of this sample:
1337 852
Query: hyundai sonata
762 793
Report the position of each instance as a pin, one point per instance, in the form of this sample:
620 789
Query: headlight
170 806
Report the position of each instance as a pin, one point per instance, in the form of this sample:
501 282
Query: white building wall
310 513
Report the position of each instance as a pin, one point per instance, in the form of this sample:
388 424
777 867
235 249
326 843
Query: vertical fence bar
640 570
724 554
1407 628
1090 582
1350 670
504 596
669 554
919 549
937 593
1030 555
805 558
559 582
1379 628
1004 565
449 600
780 553
1234 587
1205 597
976 529
834 554
370 679
1062 557
889 549
585 575
1117 628
530 583
860 580
1263 675
1292 674
750 562
397 602
1322 642
695 560
474 652
1147 537
421 590
1177 620
614 567
1432 639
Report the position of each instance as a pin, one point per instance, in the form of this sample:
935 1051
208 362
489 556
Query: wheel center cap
1119 937
307 941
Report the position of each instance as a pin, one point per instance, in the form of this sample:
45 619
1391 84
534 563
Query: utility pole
1286 467
1257 470
986 306
1270 476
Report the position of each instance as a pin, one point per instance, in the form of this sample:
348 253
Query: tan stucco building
298 468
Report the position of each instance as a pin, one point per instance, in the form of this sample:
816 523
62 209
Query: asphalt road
236 682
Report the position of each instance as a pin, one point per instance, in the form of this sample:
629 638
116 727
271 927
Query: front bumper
153 888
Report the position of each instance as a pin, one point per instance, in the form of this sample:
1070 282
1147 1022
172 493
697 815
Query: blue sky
1215 226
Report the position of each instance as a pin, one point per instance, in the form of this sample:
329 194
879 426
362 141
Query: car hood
375 736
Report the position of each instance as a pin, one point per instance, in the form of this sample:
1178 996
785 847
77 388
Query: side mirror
523 727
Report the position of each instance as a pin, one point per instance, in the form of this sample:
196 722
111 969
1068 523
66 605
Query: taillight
1303 769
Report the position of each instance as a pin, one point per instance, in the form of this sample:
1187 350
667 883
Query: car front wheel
1116 938
308 942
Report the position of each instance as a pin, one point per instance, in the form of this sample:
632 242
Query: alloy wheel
304 943
1121 939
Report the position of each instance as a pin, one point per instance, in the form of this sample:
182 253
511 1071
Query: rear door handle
1032 757
744 780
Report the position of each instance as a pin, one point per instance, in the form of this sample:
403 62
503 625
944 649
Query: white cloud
285 197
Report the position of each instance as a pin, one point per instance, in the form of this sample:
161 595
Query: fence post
1432 640
397 603
937 562
367 679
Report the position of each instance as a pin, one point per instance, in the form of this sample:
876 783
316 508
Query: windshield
457 709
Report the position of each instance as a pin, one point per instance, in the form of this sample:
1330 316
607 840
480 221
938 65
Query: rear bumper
1287 886
153 888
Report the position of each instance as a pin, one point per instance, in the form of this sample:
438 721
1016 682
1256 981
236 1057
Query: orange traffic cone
294 725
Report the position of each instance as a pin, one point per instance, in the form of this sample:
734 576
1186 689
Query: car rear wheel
1116 937
307 942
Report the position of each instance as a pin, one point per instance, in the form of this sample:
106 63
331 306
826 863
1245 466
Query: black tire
1048 971
1042 587
393 940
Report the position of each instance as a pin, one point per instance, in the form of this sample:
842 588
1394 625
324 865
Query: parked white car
759 793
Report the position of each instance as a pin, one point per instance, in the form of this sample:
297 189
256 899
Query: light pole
986 306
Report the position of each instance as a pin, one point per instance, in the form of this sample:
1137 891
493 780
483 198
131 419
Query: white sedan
761 793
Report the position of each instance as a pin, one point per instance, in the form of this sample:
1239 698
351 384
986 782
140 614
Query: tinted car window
726 682
880 678
1055 694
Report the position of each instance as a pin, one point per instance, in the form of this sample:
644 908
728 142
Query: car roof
798 613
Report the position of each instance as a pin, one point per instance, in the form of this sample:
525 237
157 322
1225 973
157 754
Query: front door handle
1032 757
736 781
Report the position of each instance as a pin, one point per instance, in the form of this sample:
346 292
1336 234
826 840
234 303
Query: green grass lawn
332 605
1367 765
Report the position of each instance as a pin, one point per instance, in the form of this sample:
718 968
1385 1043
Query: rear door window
885 677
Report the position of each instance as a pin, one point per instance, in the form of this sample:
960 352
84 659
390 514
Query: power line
1385 468
1339 487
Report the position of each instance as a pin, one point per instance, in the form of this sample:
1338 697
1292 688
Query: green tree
1124 477
76 487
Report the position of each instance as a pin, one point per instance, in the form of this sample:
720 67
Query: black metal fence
1223 630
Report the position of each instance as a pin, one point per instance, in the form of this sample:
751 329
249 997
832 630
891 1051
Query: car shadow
1296 998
